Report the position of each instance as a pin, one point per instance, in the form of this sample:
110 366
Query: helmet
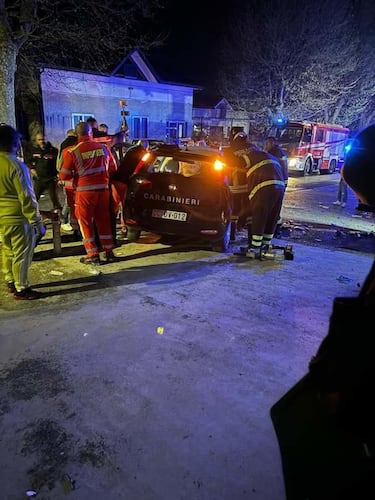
358 170
238 138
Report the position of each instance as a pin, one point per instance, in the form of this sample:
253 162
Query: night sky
190 54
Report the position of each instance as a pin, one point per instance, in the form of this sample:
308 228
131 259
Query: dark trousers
50 185
264 210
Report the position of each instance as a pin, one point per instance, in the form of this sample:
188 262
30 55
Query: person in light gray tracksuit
20 220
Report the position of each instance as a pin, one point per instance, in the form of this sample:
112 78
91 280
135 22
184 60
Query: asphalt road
152 378
310 217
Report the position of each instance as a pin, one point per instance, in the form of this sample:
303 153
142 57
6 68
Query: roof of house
137 65
134 65
210 101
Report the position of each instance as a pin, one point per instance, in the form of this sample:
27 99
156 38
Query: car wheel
332 167
132 234
222 246
308 167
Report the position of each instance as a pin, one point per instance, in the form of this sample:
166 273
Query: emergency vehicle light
280 121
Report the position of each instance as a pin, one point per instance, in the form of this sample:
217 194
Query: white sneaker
66 227
337 202
343 204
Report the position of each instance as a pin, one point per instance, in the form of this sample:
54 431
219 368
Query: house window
175 131
80 117
139 130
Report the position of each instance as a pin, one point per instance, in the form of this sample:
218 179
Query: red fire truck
312 147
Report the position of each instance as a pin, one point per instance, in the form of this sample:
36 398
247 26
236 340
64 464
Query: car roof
187 154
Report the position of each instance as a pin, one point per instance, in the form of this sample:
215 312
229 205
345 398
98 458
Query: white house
153 109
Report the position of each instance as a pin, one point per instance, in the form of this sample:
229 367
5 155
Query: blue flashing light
279 121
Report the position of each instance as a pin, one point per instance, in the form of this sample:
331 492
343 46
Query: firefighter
265 189
272 147
89 163
238 188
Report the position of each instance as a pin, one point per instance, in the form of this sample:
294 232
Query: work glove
40 231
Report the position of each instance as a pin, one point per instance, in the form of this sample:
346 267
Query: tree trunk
8 56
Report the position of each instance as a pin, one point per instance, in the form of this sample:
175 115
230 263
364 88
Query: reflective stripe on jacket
264 170
89 162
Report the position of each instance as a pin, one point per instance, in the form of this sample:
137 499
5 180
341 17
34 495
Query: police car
180 191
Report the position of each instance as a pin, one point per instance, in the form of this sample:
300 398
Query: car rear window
187 168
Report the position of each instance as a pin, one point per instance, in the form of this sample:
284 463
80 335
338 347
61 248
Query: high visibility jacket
89 163
237 175
281 155
17 198
69 141
262 169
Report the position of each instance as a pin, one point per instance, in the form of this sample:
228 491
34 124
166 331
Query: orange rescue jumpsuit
89 164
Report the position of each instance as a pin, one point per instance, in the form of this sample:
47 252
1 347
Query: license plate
169 214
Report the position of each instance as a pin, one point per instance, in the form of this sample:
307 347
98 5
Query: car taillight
142 162
145 184
219 165
146 157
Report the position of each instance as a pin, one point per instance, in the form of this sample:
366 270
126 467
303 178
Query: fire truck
312 147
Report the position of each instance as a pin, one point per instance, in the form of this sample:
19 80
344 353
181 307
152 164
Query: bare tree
16 24
302 60
89 34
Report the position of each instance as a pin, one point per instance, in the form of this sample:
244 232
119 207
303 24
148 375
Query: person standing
102 135
266 187
237 185
89 164
69 222
41 159
272 147
342 193
20 220
103 127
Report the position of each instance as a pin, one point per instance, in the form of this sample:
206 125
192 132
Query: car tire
132 234
308 167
